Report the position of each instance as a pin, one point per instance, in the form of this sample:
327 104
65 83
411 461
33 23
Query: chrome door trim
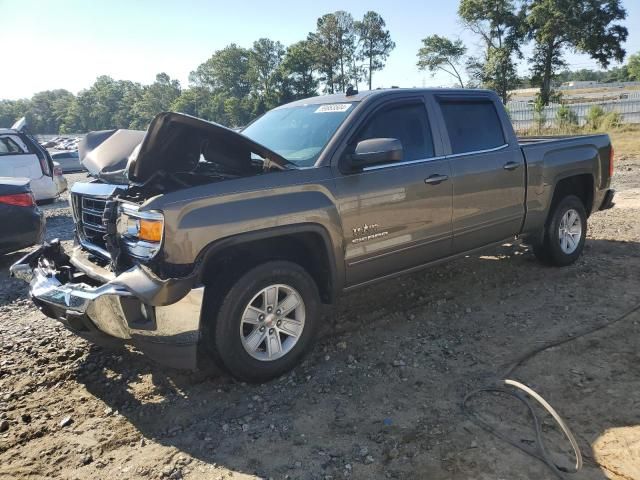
432 159
475 152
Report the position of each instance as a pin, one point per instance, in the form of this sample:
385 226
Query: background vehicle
226 243
69 161
21 156
18 209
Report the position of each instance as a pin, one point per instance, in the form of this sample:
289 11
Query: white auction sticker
333 107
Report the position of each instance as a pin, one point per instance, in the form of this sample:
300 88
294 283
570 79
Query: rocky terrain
379 396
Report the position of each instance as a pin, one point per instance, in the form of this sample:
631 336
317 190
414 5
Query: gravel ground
379 396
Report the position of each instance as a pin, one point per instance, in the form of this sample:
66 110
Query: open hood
176 143
106 153
173 143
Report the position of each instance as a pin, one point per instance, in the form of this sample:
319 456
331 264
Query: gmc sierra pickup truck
195 242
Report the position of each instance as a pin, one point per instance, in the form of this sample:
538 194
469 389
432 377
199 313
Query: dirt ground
379 396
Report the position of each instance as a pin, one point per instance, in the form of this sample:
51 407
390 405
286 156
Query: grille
88 211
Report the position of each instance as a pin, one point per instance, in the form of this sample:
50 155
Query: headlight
141 232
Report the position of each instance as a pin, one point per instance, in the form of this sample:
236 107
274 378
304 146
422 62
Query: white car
22 156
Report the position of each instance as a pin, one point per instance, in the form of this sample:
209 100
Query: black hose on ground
501 386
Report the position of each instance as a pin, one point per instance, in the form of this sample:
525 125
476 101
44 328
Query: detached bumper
116 312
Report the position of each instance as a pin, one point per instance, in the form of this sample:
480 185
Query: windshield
299 133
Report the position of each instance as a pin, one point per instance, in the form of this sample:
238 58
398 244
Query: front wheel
565 233
266 322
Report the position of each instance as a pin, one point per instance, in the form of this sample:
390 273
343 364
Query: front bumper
131 308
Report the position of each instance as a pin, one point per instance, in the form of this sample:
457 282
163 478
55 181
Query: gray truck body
348 227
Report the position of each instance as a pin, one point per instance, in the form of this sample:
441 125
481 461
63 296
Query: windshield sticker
333 107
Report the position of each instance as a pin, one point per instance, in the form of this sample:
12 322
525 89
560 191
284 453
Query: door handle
511 165
436 179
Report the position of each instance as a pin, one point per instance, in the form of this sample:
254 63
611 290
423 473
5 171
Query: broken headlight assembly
140 232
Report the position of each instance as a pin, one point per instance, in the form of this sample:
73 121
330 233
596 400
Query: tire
235 337
563 245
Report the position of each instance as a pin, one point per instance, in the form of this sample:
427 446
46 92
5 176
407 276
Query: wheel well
578 185
307 249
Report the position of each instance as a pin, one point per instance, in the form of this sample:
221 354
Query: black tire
550 252
224 337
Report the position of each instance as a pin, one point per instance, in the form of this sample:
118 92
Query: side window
9 147
407 123
472 125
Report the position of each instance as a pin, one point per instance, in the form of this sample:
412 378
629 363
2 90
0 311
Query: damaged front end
161 318
114 286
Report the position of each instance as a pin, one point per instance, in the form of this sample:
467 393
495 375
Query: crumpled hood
174 142
106 153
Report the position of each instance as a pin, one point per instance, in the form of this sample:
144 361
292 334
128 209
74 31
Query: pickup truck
197 243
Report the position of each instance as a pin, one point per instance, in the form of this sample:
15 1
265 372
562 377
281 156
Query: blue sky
72 42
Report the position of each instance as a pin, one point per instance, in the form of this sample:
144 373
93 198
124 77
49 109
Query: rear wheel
266 322
565 233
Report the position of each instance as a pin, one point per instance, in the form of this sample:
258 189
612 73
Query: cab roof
343 97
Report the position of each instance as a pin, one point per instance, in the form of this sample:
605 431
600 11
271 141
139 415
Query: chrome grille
88 211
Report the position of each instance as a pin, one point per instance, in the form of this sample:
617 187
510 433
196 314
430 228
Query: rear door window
9 146
407 123
473 125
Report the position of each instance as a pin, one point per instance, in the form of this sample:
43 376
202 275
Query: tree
48 109
375 43
587 26
440 53
156 98
297 70
264 70
12 110
334 47
499 27
633 67
106 104
226 71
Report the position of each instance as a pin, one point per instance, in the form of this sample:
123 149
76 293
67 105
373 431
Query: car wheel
266 322
565 233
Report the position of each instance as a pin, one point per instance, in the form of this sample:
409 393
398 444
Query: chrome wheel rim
272 322
570 231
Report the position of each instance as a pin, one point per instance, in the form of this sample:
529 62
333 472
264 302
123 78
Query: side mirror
374 151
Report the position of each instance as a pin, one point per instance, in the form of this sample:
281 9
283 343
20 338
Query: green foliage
499 26
633 67
334 47
440 53
586 26
264 74
566 117
594 117
297 72
157 97
610 121
616 74
375 43
539 114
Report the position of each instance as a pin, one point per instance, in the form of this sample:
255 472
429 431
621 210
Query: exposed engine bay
177 151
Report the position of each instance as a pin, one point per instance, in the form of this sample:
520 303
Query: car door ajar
488 174
396 215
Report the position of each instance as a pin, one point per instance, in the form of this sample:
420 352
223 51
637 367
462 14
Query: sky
68 43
